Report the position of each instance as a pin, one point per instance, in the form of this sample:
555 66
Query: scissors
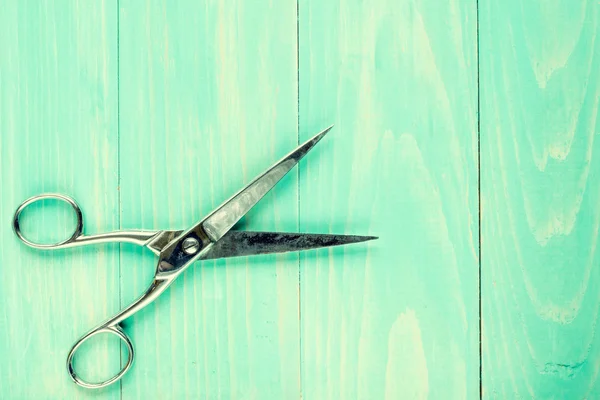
211 238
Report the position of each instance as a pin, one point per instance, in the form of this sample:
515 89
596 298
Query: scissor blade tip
356 239
330 127
367 238
323 132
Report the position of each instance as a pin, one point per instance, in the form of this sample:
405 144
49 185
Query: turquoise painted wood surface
167 110
58 132
208 100
540 91
152 113
399 320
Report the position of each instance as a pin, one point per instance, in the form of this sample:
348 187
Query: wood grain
397 319
540 198
208 100
151 113
58 132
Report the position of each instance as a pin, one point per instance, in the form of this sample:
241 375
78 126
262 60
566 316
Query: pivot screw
190 246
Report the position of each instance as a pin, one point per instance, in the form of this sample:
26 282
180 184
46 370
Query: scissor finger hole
48 220
95 362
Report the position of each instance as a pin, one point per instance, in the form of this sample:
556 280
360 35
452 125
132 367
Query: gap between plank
479 204
119 174
298 193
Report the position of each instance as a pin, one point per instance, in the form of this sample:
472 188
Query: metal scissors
210 238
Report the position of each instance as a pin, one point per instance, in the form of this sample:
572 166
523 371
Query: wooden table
465 137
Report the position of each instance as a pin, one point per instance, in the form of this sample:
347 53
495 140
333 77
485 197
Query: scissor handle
156 288
112 329
139 237
76 233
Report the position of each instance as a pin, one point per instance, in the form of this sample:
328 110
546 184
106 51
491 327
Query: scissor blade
221 220
244 243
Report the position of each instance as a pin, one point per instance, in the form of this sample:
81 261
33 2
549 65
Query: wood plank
540 172
208 99
397 318
58 124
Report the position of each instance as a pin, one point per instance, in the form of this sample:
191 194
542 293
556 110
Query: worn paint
540 92
150 114
399 81
58 133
